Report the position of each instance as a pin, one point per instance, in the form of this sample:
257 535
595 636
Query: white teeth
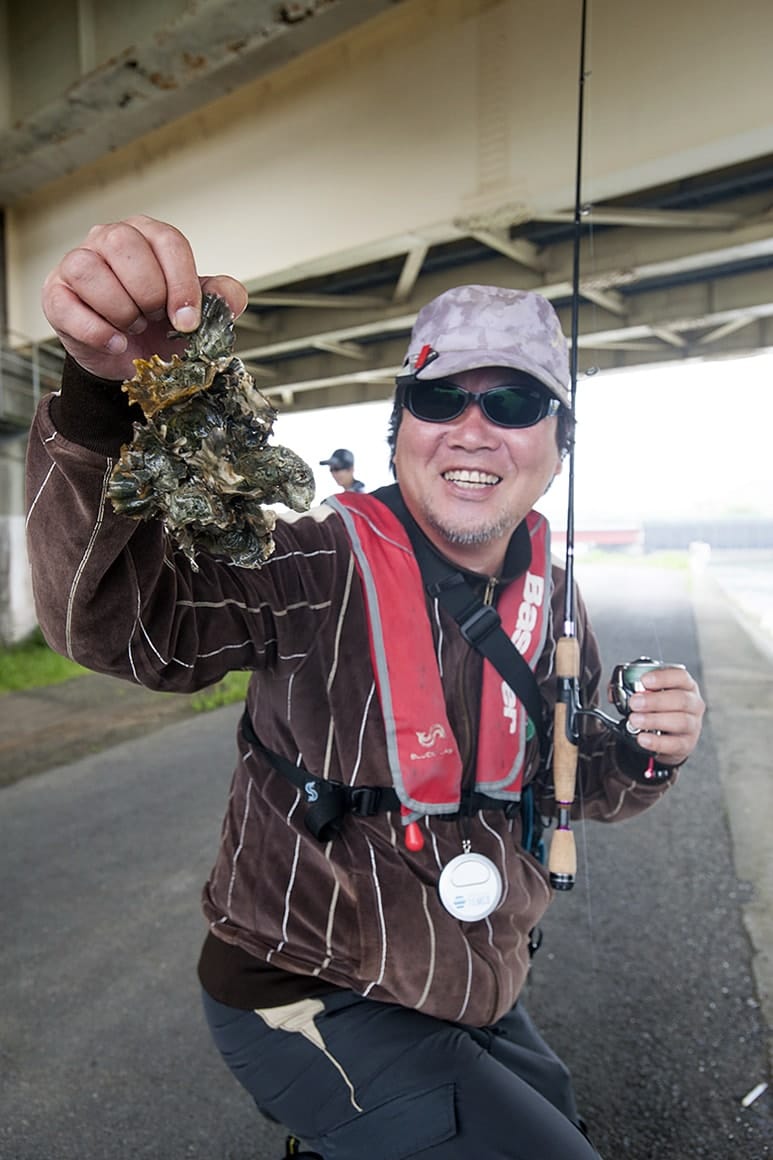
474 477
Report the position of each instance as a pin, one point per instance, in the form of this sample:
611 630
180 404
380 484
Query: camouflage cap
489 326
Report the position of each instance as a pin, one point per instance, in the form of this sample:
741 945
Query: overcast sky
669 442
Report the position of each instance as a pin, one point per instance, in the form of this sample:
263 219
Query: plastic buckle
364 800
479 624
446 584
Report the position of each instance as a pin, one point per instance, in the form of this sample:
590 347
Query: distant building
739 534
728 532
611 539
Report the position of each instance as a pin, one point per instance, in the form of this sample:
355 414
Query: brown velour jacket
360 911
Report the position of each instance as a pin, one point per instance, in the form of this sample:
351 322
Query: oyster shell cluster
202 462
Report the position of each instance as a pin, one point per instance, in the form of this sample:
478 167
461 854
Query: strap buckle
446 584
364 800
483 620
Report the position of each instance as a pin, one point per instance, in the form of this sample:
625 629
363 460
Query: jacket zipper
488 596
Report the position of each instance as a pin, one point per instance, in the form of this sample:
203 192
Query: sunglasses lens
442 401
435 402
515 406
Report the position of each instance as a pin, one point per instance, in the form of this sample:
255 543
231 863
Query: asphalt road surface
644 983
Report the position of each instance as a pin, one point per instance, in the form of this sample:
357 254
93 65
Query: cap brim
453 362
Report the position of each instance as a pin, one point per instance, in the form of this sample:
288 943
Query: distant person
341 464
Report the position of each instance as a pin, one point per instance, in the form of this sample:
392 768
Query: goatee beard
469 536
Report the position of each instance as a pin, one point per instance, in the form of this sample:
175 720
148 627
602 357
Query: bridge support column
17 610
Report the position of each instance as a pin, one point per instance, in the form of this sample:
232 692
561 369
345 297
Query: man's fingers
156 267
229 288
143 269
138 268
668 677
116 297
116 272
668 714
73 320
673 724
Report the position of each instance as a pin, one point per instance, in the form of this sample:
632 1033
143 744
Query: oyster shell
202 462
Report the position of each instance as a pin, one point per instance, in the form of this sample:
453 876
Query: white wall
17 612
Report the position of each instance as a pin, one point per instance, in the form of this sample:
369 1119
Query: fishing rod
626 678
562 860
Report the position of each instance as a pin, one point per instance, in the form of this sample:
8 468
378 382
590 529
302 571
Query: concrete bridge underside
348 159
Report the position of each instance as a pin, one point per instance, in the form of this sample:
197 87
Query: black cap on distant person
339 460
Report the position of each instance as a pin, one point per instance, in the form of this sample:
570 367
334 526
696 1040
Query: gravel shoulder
50 726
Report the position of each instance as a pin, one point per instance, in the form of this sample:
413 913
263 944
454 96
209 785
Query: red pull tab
414 839
421 357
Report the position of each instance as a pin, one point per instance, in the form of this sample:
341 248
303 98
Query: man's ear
558 470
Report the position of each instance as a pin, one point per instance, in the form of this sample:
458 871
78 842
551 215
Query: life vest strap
330 801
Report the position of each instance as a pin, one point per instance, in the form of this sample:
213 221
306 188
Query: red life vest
423 755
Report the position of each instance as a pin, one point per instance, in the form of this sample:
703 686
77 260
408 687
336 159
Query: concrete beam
703 320
214 47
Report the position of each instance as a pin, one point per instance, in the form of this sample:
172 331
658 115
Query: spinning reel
626 680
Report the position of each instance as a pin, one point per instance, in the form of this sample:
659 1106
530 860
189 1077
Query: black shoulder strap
479 623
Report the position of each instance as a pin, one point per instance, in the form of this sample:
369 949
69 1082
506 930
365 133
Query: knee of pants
403 1126
439 1124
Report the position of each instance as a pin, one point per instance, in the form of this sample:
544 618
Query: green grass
31 664
233 687
676 560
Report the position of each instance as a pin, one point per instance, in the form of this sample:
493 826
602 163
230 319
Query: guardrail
26 373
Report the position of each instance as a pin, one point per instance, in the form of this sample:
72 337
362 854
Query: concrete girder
610 300
209 50
344 389
648 233
699 320
414 260
609 215
520 251
725 329
612 261
316 301
347 349
378 250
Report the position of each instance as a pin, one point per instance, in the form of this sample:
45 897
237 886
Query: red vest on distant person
423 755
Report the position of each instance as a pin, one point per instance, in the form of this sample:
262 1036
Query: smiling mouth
472 479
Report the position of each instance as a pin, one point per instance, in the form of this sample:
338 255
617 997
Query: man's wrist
94 413
645 768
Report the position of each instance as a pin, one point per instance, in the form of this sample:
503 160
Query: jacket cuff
636 764
92 412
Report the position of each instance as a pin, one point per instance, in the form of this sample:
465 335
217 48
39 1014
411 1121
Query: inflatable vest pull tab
414 839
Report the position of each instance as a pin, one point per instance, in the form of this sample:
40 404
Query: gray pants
360 1080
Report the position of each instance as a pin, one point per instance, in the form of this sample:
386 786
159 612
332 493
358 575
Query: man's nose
472 428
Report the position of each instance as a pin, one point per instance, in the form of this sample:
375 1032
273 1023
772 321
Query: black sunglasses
441 401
